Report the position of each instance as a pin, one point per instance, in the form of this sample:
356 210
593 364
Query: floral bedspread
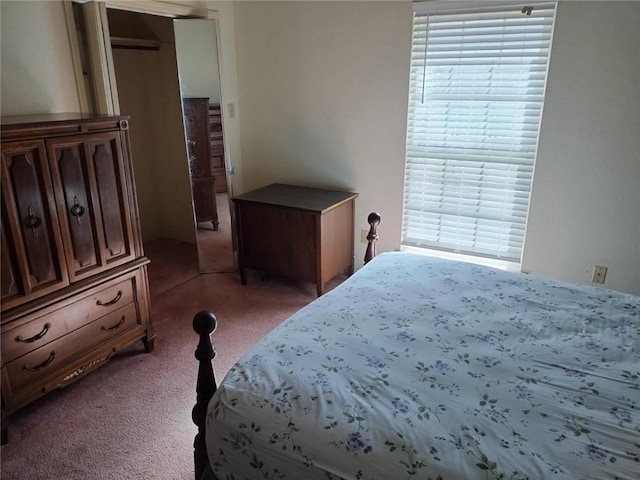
418 368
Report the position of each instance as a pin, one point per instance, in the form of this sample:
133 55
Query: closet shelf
135 43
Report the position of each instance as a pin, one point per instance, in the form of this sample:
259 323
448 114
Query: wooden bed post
372 237
204 324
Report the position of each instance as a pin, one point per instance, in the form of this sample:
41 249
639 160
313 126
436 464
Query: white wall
197 49
323 90
585 206
134 101
149 91
37 70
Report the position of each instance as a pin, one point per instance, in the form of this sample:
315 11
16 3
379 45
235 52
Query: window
475 103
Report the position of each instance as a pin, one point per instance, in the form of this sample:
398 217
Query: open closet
159 64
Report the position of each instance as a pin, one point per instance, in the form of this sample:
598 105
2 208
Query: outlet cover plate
599 274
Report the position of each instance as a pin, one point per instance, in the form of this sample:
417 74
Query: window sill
489 262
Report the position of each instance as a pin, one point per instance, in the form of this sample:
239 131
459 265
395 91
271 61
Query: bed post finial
204 324
372 237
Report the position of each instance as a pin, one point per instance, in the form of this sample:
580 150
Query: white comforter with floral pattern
426 369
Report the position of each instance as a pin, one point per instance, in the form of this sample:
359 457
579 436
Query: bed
417 367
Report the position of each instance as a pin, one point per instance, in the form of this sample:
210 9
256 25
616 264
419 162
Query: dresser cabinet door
90 184
31 239
218 168
196 115
9 285
204 199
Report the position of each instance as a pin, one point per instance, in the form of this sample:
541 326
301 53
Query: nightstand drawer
48 358
40 329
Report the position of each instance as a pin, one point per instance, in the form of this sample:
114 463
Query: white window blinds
475 104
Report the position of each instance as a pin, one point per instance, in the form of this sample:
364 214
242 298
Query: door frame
98 38
105 89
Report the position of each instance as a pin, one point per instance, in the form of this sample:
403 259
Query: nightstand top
315 200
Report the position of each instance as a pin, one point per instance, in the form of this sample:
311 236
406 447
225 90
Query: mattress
424 368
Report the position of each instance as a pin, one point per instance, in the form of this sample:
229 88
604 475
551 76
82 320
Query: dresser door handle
77 210
37 336
44 364
32 221
110 302
114 327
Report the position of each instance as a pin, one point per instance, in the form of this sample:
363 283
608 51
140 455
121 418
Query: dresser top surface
58 124
315 200
66 117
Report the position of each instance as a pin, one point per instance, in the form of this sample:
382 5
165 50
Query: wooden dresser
203 179
297 232
218 168
74 276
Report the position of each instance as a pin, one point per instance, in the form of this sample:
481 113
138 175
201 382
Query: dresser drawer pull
77 210
32 221
110 302
36 337
116 326
44 364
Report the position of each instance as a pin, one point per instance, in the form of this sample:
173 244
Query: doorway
146 59
199 73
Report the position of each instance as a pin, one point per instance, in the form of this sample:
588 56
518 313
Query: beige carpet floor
215 248
131 419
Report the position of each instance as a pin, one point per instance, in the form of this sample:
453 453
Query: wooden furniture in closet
203 179
218 168
74 276
297 232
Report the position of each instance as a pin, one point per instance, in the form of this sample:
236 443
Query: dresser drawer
41 329
217 147
46 359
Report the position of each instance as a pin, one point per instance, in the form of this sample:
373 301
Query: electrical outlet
363 236
599 272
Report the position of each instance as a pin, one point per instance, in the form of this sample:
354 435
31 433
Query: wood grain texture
76 288
30 222
216 136
69 166
301 233
203 182
89 174
8 281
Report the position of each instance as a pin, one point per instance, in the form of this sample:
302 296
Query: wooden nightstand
297 232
